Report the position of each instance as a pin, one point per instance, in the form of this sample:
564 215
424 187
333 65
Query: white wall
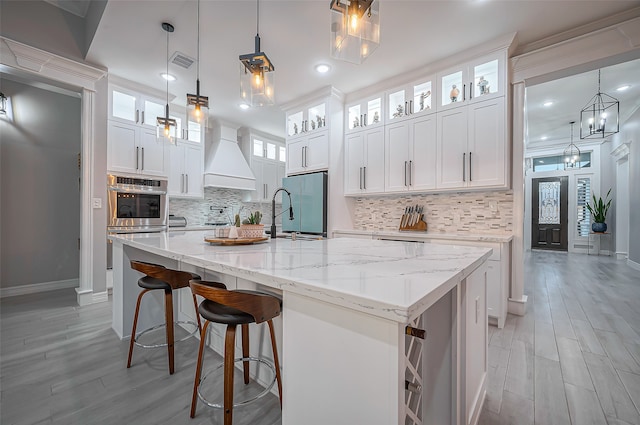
40 219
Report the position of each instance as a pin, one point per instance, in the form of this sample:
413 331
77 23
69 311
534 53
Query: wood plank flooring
573 359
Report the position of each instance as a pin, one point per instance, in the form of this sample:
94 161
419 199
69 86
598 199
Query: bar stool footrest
162 325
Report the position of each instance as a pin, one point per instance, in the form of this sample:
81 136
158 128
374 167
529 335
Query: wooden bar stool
233 308
160 277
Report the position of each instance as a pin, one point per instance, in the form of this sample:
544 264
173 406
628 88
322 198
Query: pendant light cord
198 69
257 17
167 113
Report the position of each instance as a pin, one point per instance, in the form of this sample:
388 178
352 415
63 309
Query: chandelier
600 118
571 154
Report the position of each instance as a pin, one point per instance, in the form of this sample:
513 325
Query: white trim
517 307
633 264
621 153
33 288
621 255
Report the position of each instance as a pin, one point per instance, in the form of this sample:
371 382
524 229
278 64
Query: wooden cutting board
238 241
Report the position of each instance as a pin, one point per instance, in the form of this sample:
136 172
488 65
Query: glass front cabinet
306 120
364 114
410 100
474 81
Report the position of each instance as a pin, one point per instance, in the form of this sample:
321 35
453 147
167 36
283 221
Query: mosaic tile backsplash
476 212
225 202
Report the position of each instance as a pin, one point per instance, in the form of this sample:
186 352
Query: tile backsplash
475 212
226 203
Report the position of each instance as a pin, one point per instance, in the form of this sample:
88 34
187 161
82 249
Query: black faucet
273 211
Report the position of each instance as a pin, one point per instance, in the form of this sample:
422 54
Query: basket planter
251 231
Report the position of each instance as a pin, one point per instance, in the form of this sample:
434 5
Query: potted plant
599 212
251 226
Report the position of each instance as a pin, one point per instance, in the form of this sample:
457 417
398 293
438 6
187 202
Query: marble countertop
500 238
389 279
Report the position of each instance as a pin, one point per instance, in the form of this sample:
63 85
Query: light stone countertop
389 279
479 237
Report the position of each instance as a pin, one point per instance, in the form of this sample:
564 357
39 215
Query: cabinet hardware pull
470 179
361 121
364 177
410 172
414 388
137 115
411 106
405 173
416 332
142 168
464 167
186 176
360 177
142 117
405 108
470 91
365 120
464 92
137 157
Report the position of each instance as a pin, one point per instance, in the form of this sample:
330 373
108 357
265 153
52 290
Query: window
283 154
194 132
583 218
271 151
556 162
258 148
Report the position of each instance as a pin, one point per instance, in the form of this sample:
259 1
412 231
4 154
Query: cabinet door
453 88
193 168
257 166
354 161
151 153
176 179
486 156
397 155
373 173
124 106
422 166
452 149
487 76
295 152
123 153
280 174
151 110
475 376
269 180
317 154
494 289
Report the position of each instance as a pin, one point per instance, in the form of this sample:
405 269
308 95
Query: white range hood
224 164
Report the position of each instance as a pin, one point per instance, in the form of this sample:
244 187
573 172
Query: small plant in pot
599 212
251 226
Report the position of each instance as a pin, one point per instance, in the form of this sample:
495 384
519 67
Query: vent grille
182 60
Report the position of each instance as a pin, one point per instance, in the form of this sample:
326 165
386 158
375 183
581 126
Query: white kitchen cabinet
130 107
472 146
186 167
307 119
267 158
135 149
308 153
410 153
474 81
269 176
364 162
410 100
365 113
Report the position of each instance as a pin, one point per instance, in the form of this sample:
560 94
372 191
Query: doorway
549 207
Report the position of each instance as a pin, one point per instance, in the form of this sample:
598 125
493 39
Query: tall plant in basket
599 210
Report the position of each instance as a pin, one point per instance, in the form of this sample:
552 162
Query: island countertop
389 279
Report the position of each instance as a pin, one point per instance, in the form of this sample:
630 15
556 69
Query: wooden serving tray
238 241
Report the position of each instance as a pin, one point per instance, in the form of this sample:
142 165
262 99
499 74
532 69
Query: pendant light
571 154
600 118
257 73
197 105
166 127
355 29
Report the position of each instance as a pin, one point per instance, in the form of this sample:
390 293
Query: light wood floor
573 359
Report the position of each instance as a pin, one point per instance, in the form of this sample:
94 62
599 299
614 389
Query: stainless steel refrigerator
309 202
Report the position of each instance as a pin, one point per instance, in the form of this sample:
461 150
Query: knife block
419 226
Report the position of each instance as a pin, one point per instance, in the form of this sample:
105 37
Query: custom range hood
224 164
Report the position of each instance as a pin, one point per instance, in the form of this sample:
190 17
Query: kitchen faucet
273 211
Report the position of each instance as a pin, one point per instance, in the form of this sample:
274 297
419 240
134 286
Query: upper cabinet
410 100
134 108
186 166
364 114
267 158
474 81
306 120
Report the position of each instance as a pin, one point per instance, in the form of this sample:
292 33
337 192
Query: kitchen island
346 305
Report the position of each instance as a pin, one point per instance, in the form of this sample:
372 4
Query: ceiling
295 34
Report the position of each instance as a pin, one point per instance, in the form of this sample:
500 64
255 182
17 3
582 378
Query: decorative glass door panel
123 106
316 117
485 78
397 105
294 124
152 111
355 114
549 203
421 97
452 89
374 111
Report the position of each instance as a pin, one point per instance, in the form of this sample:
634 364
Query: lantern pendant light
355 29
166 127
257 73
600 118
197 105
571 154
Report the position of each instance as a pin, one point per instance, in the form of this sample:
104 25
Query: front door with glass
549 213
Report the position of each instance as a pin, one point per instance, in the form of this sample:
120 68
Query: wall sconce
355 29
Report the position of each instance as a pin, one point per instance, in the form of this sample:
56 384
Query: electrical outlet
96 203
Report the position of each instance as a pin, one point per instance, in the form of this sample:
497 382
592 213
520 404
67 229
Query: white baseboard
621 255
633 264
517 307
33 288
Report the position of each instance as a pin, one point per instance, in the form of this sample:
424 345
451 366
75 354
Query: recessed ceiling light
623 88
548 103
543 138
168 77
244 106
322 68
